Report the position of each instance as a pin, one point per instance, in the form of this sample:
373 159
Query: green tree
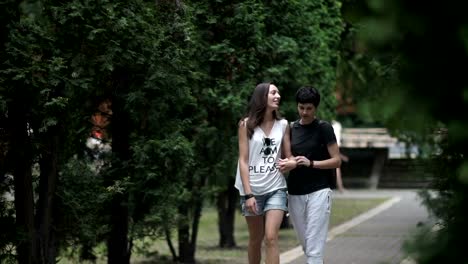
242 43
178 75
302 40
8 13
428 98
360 69
58 60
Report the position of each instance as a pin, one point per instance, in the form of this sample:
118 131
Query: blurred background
118 119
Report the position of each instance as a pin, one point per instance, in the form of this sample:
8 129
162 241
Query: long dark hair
257 107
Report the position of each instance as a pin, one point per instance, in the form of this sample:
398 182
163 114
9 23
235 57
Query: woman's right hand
303 161
251 205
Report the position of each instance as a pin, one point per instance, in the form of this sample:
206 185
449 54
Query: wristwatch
248 196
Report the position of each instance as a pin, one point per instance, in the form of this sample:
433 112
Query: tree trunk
187 243
24 205
46 248
87 254
20 159
196 223
226 203
167 232
117 243
186 250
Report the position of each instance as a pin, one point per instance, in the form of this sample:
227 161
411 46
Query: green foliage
363 72
7 222
78 222
244 43
61 60
237 45
178 75
427 98
302 39
156 186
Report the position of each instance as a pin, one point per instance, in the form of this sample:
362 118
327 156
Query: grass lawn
208 252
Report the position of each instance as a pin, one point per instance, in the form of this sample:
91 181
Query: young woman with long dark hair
263 138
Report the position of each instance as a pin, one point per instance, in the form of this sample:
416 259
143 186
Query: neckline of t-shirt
315 121
273 127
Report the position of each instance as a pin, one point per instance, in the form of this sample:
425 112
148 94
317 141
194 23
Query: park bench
372 165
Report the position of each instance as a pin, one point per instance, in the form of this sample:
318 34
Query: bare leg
256 233
272 225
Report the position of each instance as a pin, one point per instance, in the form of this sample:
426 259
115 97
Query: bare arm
251 203
244 156
286 144
333 162
289 162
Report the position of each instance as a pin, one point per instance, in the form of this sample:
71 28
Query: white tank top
264 154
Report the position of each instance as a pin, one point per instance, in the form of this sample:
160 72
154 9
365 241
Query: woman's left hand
286 165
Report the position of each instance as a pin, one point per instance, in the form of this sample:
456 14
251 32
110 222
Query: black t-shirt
311 141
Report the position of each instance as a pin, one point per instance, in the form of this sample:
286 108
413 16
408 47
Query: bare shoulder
284 122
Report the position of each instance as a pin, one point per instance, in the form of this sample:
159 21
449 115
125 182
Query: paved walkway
374 237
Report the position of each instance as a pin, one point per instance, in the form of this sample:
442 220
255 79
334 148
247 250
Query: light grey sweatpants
310 215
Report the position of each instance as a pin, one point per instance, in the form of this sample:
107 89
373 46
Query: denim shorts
275 200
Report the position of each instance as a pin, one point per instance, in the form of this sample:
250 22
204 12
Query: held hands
286 165
303 161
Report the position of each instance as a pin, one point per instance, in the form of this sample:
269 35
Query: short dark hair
308 95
